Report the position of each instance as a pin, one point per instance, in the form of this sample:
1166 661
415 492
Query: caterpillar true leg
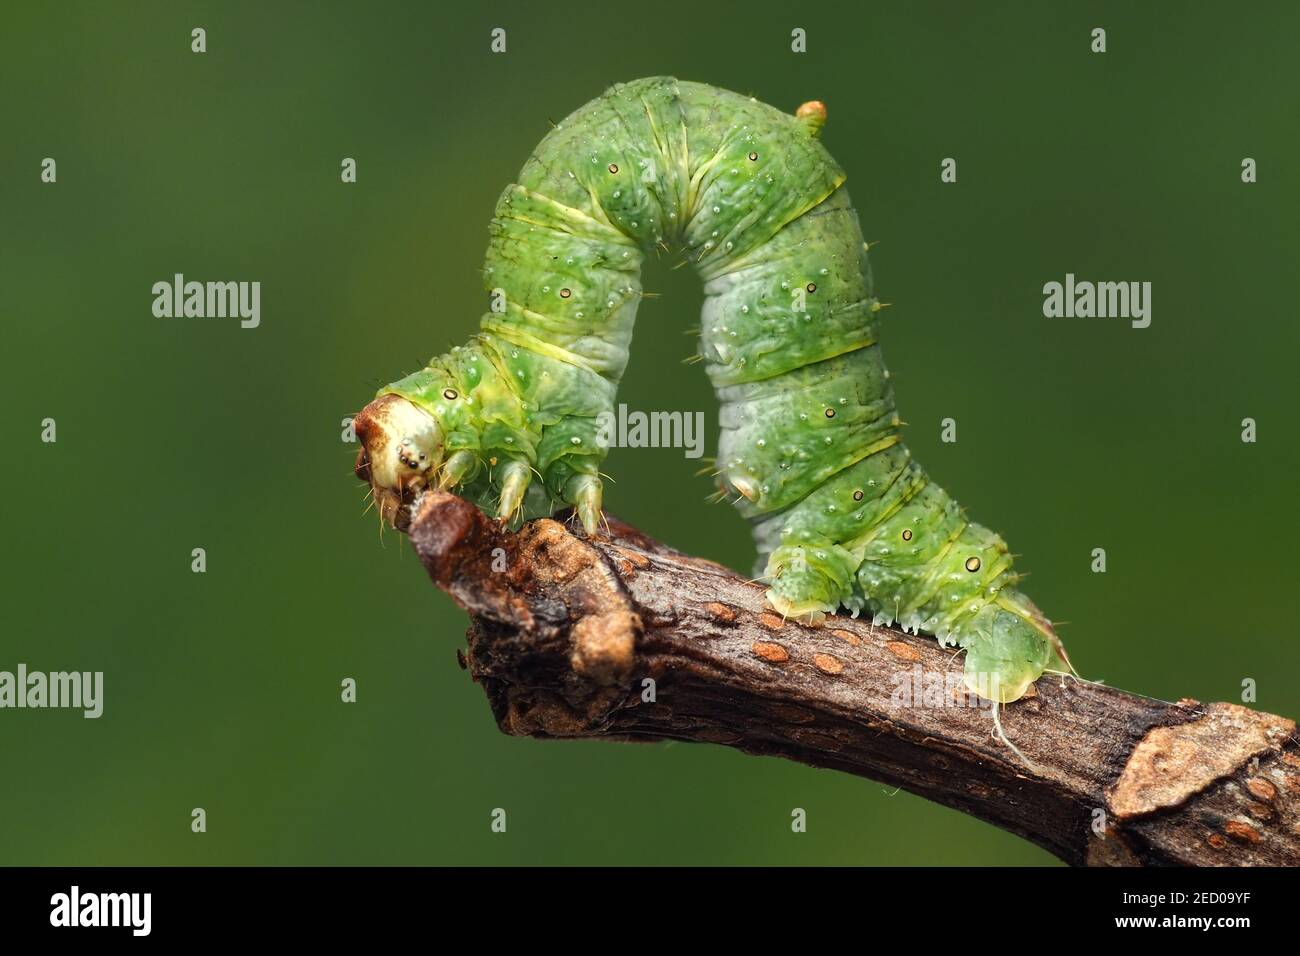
810 448
515 478
461 467
584 493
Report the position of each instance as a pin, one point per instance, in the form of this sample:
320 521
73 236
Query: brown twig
621 637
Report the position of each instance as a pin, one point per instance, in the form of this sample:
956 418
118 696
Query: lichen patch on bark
1172 764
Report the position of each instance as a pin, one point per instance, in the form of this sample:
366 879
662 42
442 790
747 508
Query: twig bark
618 636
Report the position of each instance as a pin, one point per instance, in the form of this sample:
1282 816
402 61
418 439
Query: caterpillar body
810 440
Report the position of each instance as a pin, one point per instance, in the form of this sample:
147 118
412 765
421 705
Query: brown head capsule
401 444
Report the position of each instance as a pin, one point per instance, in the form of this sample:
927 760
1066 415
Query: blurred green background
222 689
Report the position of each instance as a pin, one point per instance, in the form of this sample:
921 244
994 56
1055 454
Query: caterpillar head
401 449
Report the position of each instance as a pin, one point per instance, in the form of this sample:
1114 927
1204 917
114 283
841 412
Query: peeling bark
566 639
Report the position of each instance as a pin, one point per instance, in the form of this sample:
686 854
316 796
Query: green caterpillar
810 443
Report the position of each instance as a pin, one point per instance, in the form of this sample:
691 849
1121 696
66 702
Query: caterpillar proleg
810 440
